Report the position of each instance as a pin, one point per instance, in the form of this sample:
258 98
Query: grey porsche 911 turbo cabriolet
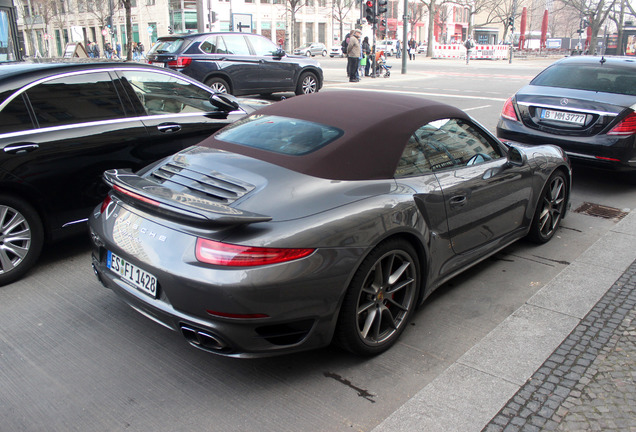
319 219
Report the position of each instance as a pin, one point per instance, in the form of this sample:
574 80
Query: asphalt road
74 357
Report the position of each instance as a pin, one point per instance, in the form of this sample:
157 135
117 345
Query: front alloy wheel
307 84
21 239
380 299
550 209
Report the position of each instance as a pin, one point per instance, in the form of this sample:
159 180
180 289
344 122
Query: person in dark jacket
366 51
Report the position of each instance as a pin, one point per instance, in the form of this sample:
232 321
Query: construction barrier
479 52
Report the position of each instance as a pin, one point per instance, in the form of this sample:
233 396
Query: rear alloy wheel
307 84
21 238
380 299
308 54
550 208
219 85
324 53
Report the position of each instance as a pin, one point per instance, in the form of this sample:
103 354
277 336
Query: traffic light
382 8
369 11
511 22
170 31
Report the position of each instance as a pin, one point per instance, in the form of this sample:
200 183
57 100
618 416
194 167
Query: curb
475 389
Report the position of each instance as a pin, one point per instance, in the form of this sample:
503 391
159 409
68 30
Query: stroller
381 68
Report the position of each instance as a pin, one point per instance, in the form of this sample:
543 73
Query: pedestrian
398 49
354 51
343 46
108 51
366 52
118 48
135 50
89 48
96 53
469 46
140 47
412 49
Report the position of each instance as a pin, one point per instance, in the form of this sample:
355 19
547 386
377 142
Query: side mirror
225 103
516 157
279 53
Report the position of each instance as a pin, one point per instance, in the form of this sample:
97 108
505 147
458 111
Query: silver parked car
298 225
312 49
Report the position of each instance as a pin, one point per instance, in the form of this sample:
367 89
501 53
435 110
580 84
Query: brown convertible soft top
376 129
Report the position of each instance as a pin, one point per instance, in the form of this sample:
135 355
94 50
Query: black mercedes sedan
584 104
63 124
237 63
297 226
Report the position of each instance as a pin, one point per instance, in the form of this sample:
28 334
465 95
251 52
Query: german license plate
159 64
132 274
562 116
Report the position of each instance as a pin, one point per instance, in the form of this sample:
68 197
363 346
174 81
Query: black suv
237 63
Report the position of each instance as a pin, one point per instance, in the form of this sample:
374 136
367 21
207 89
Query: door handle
167 127
458 201
21 148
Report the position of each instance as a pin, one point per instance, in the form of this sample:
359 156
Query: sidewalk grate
601 211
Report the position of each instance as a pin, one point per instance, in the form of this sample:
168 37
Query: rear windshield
596 77
166 46
282 135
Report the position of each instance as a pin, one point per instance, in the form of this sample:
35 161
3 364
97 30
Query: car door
276 73
176 111
485 197
79 126
233 56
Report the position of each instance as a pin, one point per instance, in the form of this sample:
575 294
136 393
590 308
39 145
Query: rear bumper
601 151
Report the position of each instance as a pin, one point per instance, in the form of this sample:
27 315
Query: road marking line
339 87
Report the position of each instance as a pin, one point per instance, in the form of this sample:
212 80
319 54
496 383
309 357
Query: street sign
104 31
151 30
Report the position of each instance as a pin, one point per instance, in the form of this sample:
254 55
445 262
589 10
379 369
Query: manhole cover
602 211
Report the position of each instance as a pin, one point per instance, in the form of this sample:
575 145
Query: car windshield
166 46
282 135
594 77
307 45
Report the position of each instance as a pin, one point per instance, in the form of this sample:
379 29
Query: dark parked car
583 104
237 63
62 125
298 225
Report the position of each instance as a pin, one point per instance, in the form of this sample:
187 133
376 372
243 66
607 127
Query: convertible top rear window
282 135
597 77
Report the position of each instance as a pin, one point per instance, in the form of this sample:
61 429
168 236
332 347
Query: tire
550 208
324 53
218 84
307 84
370 321
21 238
308 54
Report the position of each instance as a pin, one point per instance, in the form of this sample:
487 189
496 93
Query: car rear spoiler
130 187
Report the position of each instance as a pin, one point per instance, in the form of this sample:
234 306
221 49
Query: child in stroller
381 68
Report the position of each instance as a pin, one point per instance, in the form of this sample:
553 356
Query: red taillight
135 196
508 111
627 126
105 203
180 62
212 252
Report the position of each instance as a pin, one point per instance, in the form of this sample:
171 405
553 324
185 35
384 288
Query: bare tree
475 8
30 20
431 8
127 4
595 12
293 6
341 9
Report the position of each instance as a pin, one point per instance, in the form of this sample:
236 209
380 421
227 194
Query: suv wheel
307 84
219 85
